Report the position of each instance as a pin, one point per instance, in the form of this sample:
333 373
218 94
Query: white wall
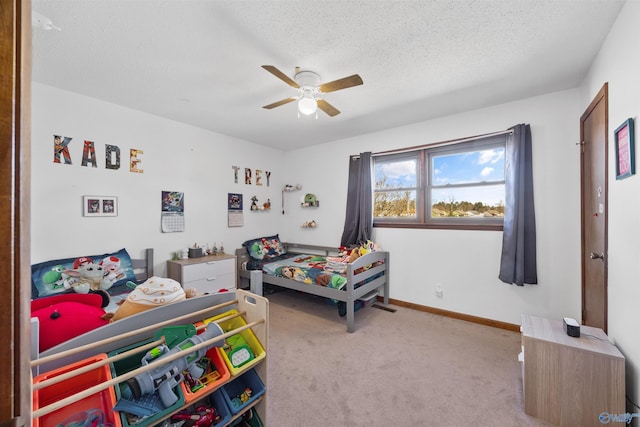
466 263
176 157
619 64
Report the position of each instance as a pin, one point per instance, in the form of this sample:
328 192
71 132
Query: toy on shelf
242 397
209 375
163 377
310 201
238 350
260 207
202 416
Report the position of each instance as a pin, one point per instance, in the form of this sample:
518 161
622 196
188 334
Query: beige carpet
406 368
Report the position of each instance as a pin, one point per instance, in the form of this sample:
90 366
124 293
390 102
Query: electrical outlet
439 291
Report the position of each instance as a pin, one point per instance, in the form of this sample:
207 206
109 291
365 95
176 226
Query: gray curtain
358 223
518 262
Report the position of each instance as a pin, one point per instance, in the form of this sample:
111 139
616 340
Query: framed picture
99 206
625 152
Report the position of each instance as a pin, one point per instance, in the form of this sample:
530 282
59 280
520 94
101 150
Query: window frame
424 176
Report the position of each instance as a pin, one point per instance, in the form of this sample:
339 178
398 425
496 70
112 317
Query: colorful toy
245 395
153 292
203 416
242 397
65 316
86 277
238 350
55 277
165 376
111 267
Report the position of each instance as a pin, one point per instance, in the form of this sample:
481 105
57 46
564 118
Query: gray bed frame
143 267
349 294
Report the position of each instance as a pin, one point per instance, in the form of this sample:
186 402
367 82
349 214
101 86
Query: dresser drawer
207 271
212 284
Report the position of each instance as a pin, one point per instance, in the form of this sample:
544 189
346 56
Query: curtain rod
439 144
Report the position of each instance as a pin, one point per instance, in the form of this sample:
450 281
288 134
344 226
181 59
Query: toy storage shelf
251 307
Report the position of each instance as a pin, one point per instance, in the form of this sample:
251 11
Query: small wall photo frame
625 151
99 206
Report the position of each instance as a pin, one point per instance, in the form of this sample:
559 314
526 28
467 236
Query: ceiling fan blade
327 108
282 76
343 83
279 103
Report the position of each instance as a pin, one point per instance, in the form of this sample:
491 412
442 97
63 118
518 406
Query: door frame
601 96
15 175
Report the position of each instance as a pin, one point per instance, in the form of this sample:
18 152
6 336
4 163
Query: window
457 185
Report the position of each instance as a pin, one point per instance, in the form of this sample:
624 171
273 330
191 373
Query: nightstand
207 274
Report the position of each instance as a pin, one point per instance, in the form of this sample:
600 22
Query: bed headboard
143 267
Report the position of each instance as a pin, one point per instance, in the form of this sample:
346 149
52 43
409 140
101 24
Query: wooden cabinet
207 274
570 381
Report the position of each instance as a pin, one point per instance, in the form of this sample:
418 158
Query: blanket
310 269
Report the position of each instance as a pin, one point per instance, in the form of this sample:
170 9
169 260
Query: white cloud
487 171
399 169
490 156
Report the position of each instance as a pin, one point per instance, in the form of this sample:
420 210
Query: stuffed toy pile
152 293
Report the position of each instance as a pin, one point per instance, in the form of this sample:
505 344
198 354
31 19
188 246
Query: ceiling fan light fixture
307 105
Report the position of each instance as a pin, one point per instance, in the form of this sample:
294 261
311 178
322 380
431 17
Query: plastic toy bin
234 389
103 400
216 399
127 364
208 381
249 418
249 337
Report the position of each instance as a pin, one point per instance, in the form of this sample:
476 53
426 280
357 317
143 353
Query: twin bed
305 268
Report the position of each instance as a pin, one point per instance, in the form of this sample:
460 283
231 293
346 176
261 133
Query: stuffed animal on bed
153 292
87 276
62 317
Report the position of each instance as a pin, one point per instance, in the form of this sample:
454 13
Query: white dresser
207 274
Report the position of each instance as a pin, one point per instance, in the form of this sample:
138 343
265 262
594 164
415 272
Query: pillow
47 277
265 247
62 317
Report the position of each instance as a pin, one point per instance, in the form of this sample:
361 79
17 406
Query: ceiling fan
310 89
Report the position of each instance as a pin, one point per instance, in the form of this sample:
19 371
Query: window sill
458 226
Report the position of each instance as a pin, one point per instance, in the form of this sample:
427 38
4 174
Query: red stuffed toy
66 316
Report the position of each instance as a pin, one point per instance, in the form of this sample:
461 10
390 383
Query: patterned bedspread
311 269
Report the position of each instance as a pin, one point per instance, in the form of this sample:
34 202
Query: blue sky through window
401 174
455 169
469 167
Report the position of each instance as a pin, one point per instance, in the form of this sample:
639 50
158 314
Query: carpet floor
402 368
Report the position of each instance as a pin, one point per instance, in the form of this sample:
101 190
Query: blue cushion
265 247
46 277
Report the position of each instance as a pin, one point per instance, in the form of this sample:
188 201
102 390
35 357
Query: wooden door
15 126
593 189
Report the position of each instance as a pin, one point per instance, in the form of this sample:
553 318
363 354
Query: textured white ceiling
199 62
